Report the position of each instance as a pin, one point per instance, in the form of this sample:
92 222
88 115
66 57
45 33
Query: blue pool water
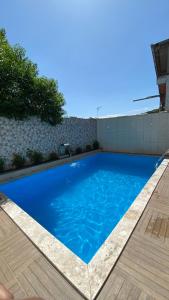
81 202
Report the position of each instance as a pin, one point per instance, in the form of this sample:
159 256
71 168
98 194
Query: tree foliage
22 92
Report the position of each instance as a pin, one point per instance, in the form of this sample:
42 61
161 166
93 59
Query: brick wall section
17 136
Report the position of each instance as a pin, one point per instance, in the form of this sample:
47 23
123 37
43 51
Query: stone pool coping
14 174
88 279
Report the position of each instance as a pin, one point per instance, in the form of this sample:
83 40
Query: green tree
22 92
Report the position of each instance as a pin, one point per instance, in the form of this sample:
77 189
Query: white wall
146 133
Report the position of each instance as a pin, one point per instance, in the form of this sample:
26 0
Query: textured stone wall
17 136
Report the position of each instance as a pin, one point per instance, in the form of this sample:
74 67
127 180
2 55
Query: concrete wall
17 136
146 133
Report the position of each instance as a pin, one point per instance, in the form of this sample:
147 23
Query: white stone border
86 278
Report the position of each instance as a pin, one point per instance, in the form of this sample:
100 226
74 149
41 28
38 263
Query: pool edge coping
29 170
88 279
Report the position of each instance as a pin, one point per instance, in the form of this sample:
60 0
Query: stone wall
145 133
17 136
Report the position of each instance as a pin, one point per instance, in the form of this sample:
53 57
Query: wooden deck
142 271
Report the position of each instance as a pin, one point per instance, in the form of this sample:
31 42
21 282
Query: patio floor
142 271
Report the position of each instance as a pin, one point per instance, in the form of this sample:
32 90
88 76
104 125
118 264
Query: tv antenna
98 108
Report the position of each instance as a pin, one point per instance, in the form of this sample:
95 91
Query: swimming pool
81 202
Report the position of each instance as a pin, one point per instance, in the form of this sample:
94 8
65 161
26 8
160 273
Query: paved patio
142 271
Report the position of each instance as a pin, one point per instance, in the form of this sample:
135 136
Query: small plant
78 150
35 157
68 151
2 164
88 148
53 156
18 161
96 145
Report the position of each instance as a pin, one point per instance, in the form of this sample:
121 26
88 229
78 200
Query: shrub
35 157
2 164
18 160
78 150
22 92
88 148
95 145
68 151
53 156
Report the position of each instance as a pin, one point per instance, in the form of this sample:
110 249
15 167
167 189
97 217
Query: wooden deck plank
144 296
125 291
134 293
37 285
16 289
28 288
113 287
5 272
18 252
25 271
145 284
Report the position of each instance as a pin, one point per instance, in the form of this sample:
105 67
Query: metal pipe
146 98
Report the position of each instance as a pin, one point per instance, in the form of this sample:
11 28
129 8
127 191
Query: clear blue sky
98 50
